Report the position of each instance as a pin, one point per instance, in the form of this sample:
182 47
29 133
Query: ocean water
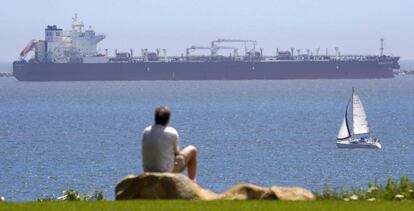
86 135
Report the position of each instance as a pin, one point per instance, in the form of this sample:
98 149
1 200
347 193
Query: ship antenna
382 47
76 25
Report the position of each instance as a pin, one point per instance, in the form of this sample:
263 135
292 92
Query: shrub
393 190
73 195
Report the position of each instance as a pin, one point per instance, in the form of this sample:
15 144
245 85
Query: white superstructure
72 45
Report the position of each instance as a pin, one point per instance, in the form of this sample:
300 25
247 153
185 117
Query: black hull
235 70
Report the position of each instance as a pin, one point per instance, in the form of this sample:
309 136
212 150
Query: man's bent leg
190 158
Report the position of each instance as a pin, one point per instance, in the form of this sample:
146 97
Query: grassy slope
214 205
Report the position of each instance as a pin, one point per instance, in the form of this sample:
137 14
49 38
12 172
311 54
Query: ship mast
77 25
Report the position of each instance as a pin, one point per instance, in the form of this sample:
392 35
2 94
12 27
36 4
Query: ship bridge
72 45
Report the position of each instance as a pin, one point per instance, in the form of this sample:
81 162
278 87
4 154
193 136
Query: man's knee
190 151
193 148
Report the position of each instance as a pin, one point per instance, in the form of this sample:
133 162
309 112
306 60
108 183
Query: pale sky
355 26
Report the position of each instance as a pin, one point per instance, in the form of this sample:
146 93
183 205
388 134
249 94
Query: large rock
160 186
177 186
247 191
292 193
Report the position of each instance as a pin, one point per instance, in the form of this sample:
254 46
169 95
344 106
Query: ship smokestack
164 51
337 53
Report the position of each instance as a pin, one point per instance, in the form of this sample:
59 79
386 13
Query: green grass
319 205
392 190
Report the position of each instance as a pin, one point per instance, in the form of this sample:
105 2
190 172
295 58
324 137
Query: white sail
359 118
343 131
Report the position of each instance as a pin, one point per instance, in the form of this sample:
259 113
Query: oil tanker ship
72 55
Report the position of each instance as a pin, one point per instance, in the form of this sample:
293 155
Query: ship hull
232 70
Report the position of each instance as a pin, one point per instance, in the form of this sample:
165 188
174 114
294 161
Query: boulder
250 191
160 186
247 191
292 193
177 186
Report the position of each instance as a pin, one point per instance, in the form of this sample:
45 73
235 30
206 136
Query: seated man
160 148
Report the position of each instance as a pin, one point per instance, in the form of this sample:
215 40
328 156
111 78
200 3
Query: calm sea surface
86 135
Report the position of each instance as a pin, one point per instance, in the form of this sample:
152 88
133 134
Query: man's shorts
180 164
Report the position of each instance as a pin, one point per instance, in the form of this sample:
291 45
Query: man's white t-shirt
159 148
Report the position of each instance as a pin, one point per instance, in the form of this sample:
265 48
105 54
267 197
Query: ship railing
301 58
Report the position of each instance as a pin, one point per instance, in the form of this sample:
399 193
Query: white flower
399 196
63 198
371 199
346 199
354 197
370 189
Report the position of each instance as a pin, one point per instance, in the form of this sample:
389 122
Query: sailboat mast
352 111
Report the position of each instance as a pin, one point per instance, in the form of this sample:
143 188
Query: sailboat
359 138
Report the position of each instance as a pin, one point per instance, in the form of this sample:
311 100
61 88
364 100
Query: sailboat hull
357 144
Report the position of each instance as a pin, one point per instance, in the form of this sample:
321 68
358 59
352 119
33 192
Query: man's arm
144 135
176 145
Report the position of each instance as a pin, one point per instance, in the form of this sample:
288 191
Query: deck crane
193 48
217 42
215 50
27 49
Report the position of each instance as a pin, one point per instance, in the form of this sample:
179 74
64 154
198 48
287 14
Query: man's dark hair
162 115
